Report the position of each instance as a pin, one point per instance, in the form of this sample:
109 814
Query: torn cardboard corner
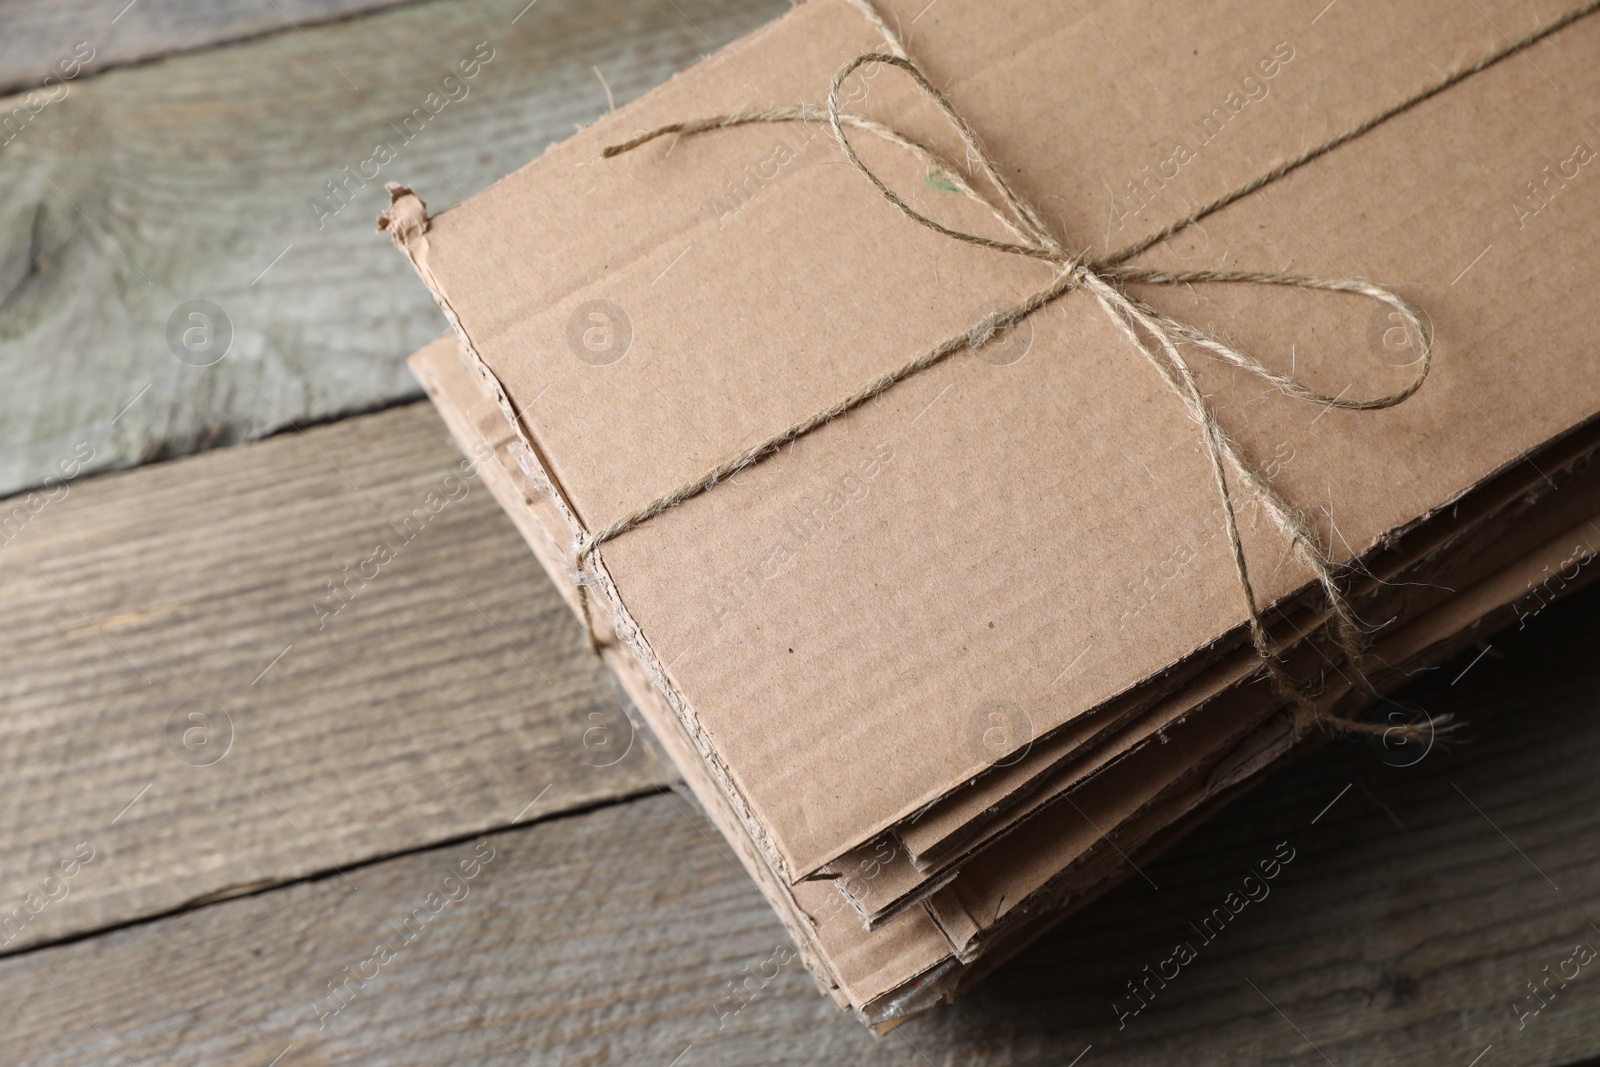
1011 569
407 218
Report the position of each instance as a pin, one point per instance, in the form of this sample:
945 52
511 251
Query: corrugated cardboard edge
851 971
432 367
407 223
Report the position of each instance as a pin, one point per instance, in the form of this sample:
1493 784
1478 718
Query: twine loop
1156 336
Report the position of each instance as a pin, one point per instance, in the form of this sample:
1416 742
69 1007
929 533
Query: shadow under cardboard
1419 902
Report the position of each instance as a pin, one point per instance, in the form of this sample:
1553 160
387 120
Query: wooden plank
198 178
603 938
1412 914
41 36
187 697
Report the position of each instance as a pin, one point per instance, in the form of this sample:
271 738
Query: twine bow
1156 336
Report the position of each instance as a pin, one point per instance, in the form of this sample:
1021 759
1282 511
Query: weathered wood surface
449 694
451 689
1419 902
40 35
195 178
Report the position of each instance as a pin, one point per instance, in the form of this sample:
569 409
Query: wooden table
217 802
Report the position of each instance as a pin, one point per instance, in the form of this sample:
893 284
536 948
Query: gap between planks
186 696
240 892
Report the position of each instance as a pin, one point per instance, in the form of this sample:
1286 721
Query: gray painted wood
452 689
184 696
195 179
1414 911
40 37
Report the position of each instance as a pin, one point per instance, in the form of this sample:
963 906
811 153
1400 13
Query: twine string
1135 319
1141 324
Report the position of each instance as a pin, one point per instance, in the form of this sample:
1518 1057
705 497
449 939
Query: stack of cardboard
959 660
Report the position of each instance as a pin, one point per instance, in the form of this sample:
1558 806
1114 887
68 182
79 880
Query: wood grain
195 179
39 35
449 694
1400 933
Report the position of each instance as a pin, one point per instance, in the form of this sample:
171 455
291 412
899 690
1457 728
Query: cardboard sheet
976 530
